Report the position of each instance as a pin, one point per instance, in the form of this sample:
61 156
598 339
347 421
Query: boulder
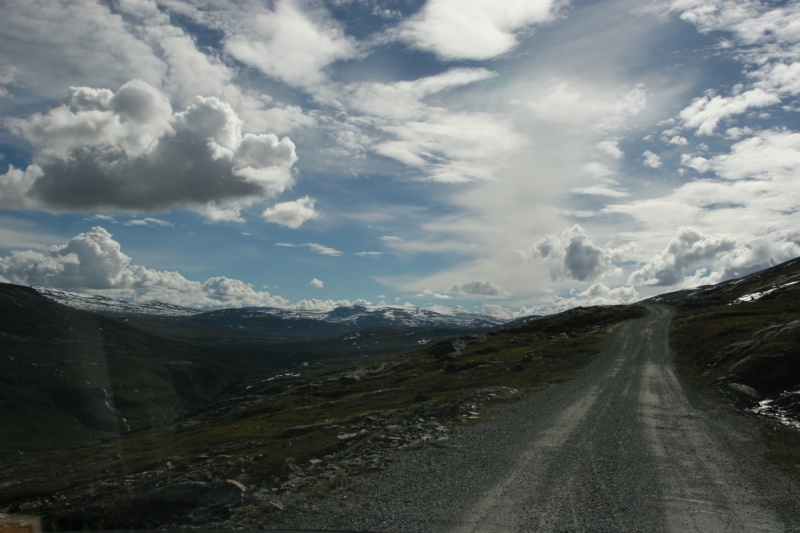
745 390
224 494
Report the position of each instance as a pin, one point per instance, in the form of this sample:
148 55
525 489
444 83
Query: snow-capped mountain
111 307
351 318
371 316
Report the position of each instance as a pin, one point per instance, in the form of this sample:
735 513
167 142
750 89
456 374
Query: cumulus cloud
677 140
473 29
694 258
600 294
427 293
291 214
506 313
314 247
704 113
369 254
611 148
690 248
290 42
478 287
317 284
574 255
651 160
128 150
94 262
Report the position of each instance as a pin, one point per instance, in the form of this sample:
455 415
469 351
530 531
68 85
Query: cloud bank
574 256
128 150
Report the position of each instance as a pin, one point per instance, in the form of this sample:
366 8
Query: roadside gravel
624 446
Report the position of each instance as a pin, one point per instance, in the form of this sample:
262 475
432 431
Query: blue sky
510 157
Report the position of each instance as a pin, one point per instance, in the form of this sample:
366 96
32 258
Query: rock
290 467
745 390
345 437
421 398
349 379
286 444
277 505
225 494
315 462
330 449
519 367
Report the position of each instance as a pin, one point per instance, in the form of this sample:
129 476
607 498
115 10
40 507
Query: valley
252 428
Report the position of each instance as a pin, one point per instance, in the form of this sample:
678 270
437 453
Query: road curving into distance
624 446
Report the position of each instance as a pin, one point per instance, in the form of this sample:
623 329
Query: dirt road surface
624 446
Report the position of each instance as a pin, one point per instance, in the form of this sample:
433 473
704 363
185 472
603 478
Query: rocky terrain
740 342
446 437
278 439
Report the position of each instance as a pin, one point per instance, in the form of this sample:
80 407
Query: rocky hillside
741 340
277 438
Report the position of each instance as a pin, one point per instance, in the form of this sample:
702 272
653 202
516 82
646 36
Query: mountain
372 316
288 323
111 307
69 376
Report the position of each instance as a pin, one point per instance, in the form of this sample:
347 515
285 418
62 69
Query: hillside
338 417
69 376
740 340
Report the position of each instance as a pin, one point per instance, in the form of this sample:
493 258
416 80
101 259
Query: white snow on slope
361 316
102 304
752 297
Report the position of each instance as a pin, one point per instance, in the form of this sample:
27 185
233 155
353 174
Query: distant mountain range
347 318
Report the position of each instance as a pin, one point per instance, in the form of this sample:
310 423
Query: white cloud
148 221
474 29
651 160
677 140
317 284
128 150
704 113
478 287
715 258
314 247
102 218
611 148
393 120
94 262
369 254
769 155
427 293
291 214
600 294
290 42
690 248
600 190
573 255
564 104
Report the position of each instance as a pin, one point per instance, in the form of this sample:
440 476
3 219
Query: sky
512 157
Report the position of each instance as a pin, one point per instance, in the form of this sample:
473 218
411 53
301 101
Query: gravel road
624 446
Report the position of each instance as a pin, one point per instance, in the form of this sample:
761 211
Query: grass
241 433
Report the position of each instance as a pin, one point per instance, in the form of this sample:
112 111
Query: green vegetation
258 421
